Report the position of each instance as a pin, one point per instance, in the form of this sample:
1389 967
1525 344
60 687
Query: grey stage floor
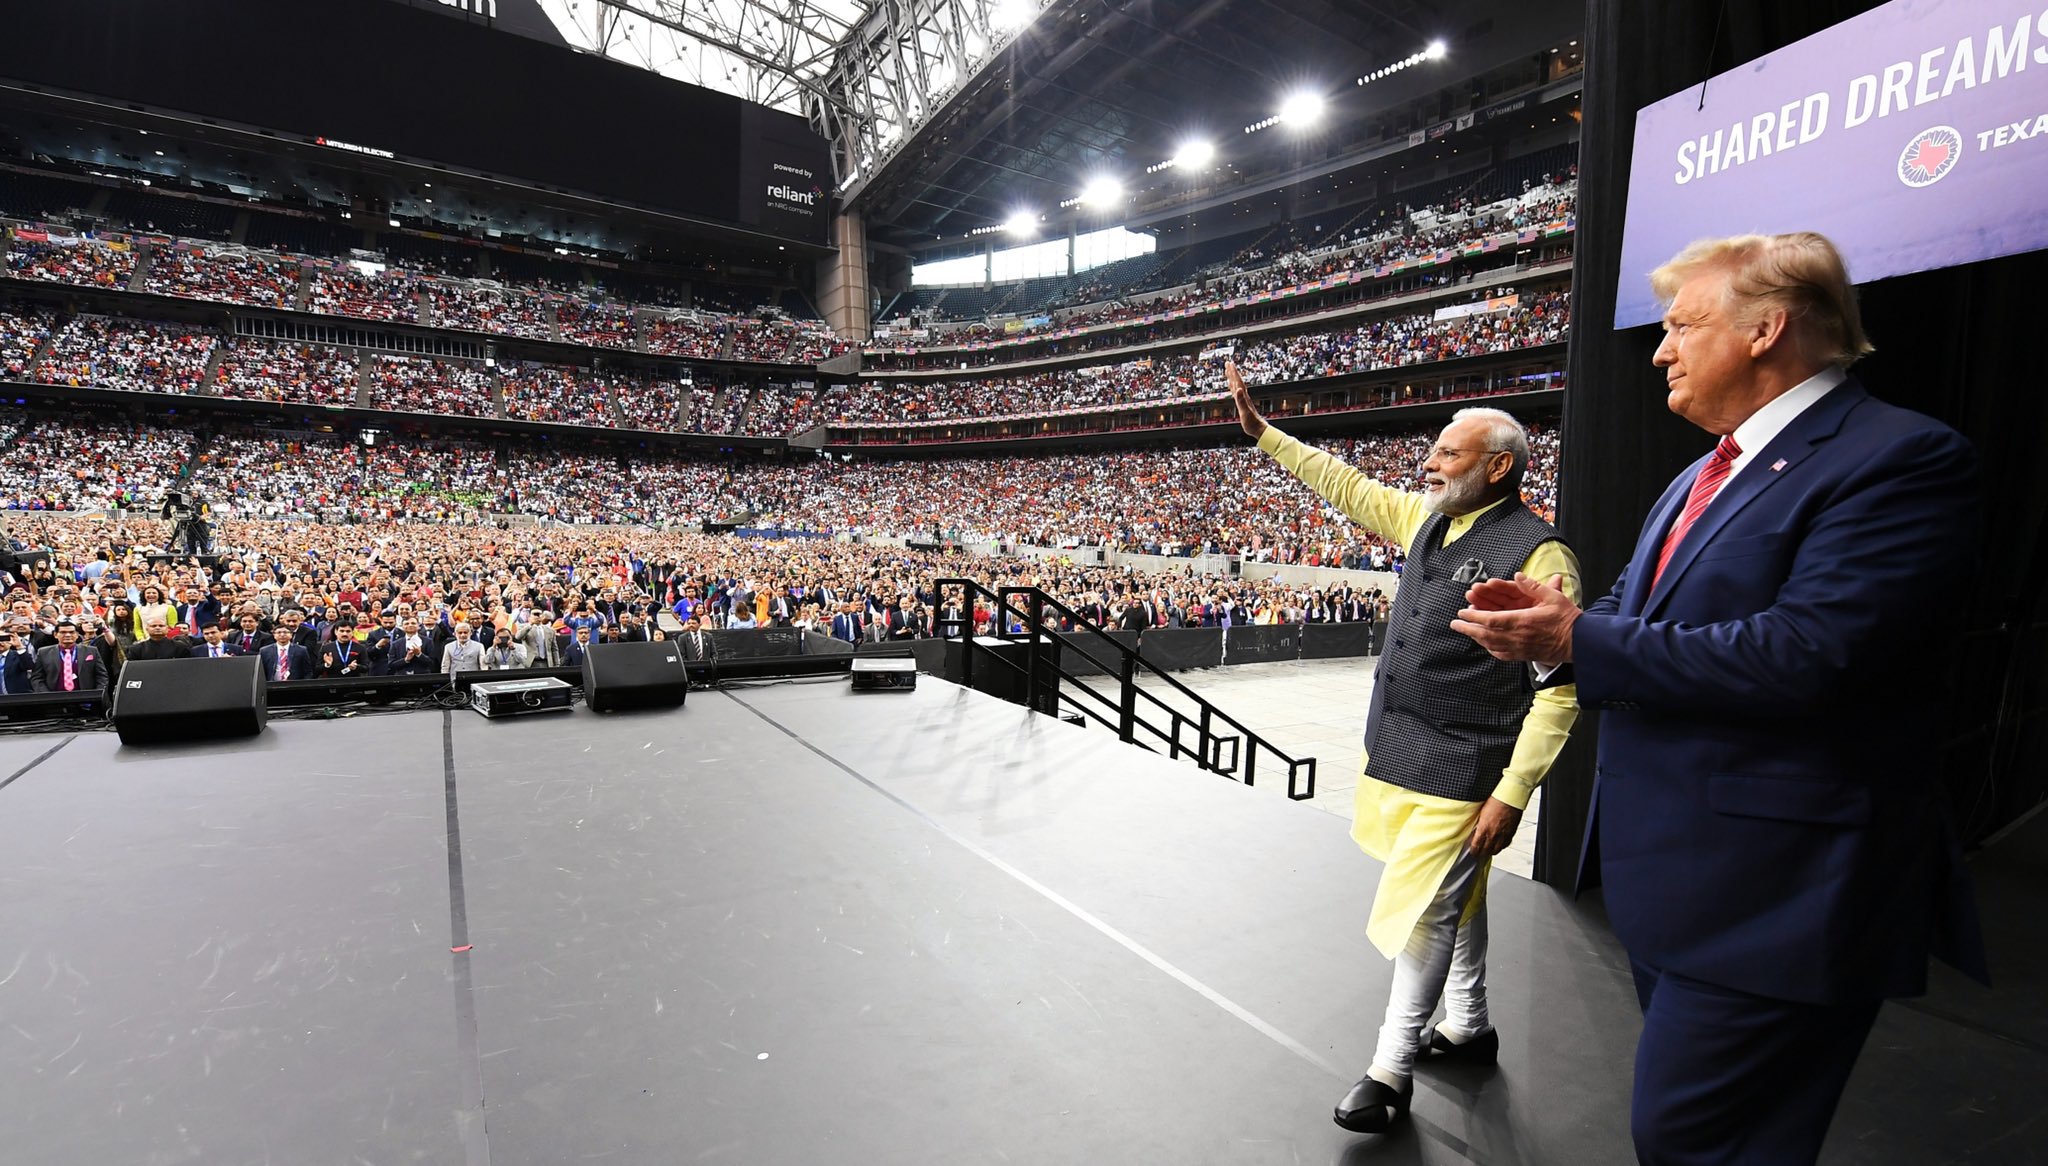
792 925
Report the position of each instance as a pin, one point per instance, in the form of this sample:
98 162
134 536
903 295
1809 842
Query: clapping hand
1520 619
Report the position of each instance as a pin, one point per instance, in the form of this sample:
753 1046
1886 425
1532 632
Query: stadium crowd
421 384
1290 263
601 325
389 295
100 352
550 392
352 541
536 308
90 262
1173 501
20 336
479 307
235 277
1374 344
684 334
389 598
276 370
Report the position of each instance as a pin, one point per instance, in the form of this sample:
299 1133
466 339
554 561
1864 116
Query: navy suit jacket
1766 814
20 676
202 651
302 664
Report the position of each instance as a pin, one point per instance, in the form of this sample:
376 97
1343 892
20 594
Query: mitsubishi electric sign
1915 136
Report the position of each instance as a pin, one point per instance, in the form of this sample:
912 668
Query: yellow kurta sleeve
1550 719
1394 515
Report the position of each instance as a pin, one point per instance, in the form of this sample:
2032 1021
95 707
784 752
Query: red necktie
1704 488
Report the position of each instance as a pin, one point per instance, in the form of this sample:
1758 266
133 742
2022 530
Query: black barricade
929 654
754 643
820 644
1329 641
1262 644
1178 649
1074 663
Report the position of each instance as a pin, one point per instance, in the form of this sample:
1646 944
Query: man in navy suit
575 650
1765 819
214 645
17 664
285 660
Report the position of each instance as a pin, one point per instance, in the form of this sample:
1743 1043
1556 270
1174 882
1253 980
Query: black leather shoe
1372 1107
1483 1049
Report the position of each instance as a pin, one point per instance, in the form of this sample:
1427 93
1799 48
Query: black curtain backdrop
1959 344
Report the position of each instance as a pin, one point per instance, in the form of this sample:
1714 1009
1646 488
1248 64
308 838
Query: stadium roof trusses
946 115
866 72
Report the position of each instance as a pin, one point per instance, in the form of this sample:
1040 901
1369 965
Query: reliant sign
1915 136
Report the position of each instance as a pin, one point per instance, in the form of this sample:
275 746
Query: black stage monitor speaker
634 676
189 700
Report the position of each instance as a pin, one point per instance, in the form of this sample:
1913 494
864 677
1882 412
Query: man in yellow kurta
1455 742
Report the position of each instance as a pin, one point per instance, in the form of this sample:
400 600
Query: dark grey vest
1445 714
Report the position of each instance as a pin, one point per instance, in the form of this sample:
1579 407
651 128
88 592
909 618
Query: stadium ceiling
864 72
943 114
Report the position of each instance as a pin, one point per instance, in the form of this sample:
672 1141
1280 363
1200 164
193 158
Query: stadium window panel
1097 248
965 270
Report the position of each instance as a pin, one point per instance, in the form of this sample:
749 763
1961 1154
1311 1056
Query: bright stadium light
1103 192
1436 50
1302 110
1011 15
1021 223
1195 155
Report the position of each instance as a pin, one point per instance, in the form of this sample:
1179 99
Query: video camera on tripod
187 516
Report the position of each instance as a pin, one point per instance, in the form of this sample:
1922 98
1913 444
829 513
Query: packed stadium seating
100 352
389 295
21 334
231 276
600 325
420 384
67 259
685 334
1289 263
1375 344
303 374
548 392
1165 501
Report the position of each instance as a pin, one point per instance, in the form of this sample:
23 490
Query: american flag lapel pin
1777 465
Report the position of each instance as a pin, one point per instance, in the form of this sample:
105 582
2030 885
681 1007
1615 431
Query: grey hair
1504 434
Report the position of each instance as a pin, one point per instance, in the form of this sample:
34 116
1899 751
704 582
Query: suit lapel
1772 464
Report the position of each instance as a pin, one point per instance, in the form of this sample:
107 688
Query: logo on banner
789 194
1929 156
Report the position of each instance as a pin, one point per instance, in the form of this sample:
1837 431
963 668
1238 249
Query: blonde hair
1800 272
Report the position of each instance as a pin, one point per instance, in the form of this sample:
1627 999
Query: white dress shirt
1767 423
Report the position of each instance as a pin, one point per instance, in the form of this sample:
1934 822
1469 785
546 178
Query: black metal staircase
1019 618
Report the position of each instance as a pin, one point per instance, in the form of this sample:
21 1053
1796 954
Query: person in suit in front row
284 659
17 664
574 652
69 666
463 653
697 644
1776 856
408 652
158 643
216 646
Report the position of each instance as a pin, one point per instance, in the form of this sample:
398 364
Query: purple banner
1915 136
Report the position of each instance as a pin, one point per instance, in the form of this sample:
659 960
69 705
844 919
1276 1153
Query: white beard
1459 495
